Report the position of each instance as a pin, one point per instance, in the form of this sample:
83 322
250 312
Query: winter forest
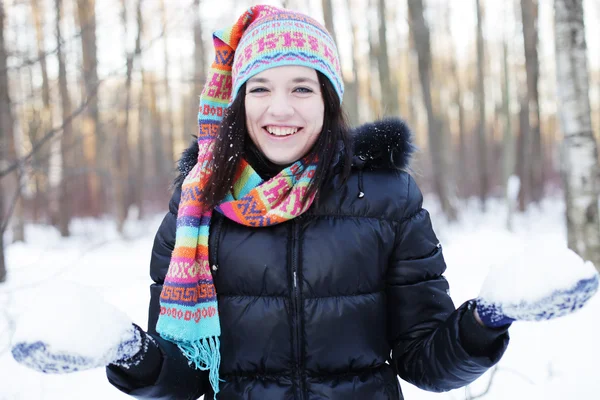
98 98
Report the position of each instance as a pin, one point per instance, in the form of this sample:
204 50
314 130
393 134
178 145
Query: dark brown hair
332 145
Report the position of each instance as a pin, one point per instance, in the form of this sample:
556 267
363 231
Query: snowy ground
548 360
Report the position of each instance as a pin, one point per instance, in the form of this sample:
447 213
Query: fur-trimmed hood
384 144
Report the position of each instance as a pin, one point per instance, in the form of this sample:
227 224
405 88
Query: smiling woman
322 258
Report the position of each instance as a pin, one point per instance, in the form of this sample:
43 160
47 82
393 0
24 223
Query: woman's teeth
279 131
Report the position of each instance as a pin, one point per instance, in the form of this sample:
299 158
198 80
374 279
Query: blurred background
101 97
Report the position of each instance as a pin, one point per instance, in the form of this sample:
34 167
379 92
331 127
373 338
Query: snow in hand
72 329
534 281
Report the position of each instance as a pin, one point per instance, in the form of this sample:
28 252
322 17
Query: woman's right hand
43 357
75 329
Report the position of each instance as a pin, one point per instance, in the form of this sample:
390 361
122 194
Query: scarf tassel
205 355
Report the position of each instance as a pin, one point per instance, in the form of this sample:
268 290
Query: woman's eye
303 90
258 90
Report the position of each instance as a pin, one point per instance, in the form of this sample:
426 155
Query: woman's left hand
531 287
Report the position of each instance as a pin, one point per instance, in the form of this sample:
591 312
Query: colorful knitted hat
283 37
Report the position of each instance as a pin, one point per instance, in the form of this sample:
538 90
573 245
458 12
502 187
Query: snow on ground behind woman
551 360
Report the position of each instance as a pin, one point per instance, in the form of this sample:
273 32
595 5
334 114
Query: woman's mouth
281 131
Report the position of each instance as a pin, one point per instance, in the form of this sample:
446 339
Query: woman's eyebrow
258 80
299 79
305 79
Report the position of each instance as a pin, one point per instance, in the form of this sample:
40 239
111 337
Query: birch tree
64 203
579 150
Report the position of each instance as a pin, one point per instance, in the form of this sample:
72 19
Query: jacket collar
381 145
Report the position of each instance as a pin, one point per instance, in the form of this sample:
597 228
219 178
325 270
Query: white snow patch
74 319
531 271
550 360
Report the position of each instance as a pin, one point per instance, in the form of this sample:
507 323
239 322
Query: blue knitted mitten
534 287
41 357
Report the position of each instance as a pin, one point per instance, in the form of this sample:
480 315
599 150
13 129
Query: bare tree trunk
2 256
350 95
199 67
9 142
64 203
141 152
121 164
374 98
168 116
6 135
18 214
508 152
423 45
352 89
157 137
482 140
94 140
42 160
389 94
410 66
529 16
189 114
328 17
463 173
523 149
580 153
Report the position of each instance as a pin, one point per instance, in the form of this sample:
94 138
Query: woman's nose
281 107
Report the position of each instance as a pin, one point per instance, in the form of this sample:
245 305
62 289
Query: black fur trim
385 144
188 159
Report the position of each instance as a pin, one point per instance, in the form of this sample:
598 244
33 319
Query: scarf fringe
205 355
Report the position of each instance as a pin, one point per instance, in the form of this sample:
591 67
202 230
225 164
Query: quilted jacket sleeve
167 375
435 347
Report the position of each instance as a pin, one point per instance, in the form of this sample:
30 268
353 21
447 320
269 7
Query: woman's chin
279 160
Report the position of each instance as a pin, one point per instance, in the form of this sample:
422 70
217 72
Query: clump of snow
533 271
74 319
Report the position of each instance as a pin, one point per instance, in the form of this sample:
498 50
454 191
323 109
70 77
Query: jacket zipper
297 304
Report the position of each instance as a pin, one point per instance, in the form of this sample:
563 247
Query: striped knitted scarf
189 314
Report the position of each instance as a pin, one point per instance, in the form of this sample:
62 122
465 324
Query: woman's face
284 112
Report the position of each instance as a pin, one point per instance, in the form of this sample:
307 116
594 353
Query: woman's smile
281 131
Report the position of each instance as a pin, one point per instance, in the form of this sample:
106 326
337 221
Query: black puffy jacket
334 304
